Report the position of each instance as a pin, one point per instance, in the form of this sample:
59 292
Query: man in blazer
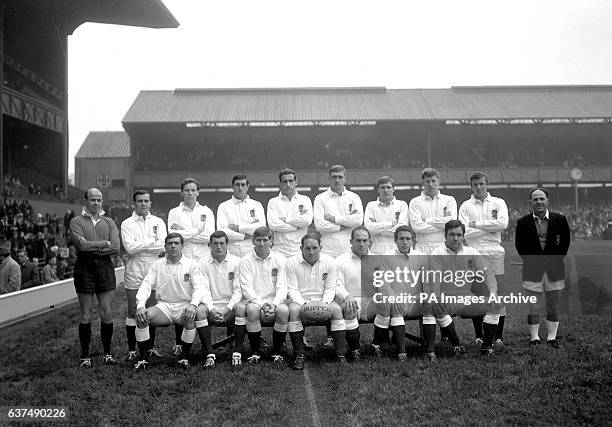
542 240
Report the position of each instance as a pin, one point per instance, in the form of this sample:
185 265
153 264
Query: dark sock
381 335
130 332
339 342
230 330
477 322
186 349
205 339
500 328
429 333
178 331
143 349
152 330
106 333
399 337
254 341
84 338
239 333
352 339
328 329
278 339
489 334
297 341
452 334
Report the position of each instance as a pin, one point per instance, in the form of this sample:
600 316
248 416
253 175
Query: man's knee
336 311
253 311
201 312
282 313
240 310
294 312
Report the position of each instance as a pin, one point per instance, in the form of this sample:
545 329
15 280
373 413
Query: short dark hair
336 168
453 223
189 181
314 236
239 177
263 232
384 180
219 235
429 172
360 228
173 236
536 189
477 175
401 228
286 171
140 193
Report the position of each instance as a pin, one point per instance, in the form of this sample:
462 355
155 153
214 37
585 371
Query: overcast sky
397 44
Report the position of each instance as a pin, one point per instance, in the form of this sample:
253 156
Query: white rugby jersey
143 236
311 283
382 227
298 214
466 258
248 215
222 280
491 216
427 219
196 243
173 282
347 210
263 280
348 281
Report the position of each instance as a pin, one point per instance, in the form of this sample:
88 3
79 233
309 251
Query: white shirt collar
391 203
139 217
425 196
184 206
88 215
236 201
332 192
475 200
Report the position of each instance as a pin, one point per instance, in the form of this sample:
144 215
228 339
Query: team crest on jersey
155 231
445 211
350 207
252 213
186 277
494 213
230 275
557 239
324 277
203 218
274 272
396 215
301 208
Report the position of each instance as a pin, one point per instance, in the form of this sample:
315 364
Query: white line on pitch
311 399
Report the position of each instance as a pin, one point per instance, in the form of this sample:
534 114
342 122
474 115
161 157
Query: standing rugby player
383 216
430 211
485 217
143 236
239 216
336 212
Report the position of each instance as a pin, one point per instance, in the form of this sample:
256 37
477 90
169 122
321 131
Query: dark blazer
535 260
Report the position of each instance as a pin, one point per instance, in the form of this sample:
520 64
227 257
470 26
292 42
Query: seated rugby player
220 273
179 289
467 293
311 280
264 289
355 300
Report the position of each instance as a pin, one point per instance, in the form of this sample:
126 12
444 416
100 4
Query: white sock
551 328
533 332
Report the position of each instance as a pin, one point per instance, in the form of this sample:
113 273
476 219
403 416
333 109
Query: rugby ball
316 311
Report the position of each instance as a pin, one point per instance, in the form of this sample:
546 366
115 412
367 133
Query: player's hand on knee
351 305
142 317
189 313
225 314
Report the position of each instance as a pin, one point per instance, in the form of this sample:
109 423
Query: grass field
520 385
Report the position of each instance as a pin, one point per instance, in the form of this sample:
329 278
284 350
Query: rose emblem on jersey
396 215
350 208
557 239
274 272
252 213
494 213
324 277
445 211
230 275
301 208
155 231
186 277
203 218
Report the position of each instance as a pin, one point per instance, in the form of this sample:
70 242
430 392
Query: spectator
30 276
10 273
49 271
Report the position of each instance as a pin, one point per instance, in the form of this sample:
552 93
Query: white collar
546 215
